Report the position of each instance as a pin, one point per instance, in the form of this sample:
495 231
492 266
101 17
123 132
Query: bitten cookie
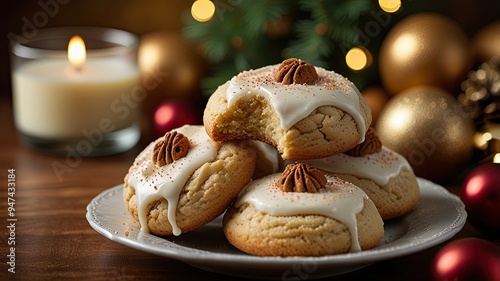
302 212
304 111
184 180
385 176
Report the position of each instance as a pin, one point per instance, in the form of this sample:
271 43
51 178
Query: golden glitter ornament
170 68
428 127
486 42
424 49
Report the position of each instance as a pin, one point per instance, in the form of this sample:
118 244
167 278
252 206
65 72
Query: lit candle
75 97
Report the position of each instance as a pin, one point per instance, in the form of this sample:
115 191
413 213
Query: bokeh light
481 139
358 58
390 6
202 10
496 158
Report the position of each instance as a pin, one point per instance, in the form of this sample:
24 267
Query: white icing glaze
340 200
296 101
152 182
378 167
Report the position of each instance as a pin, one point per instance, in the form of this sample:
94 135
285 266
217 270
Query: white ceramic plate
438 217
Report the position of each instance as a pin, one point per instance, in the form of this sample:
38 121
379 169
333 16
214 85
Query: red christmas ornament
481 196
468 259
170 115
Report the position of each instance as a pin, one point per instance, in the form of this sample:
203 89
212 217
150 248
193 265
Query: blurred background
201 44
148 16
138 17
166 15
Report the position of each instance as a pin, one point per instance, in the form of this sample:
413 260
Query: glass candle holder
68 102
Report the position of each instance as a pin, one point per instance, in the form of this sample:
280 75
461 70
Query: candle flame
76 52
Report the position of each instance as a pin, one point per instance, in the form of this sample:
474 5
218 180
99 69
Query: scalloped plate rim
217 262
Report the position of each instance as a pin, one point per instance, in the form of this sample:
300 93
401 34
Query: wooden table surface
54 241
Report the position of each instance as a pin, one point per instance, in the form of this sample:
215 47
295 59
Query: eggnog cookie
304 111
385 176
302 212
184 180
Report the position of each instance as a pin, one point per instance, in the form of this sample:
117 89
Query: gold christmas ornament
486 42
424 49
428 127
170 68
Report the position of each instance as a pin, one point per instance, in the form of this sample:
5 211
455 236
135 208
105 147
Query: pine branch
331 22
222 73
311 46
217 35
235 39
259 13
